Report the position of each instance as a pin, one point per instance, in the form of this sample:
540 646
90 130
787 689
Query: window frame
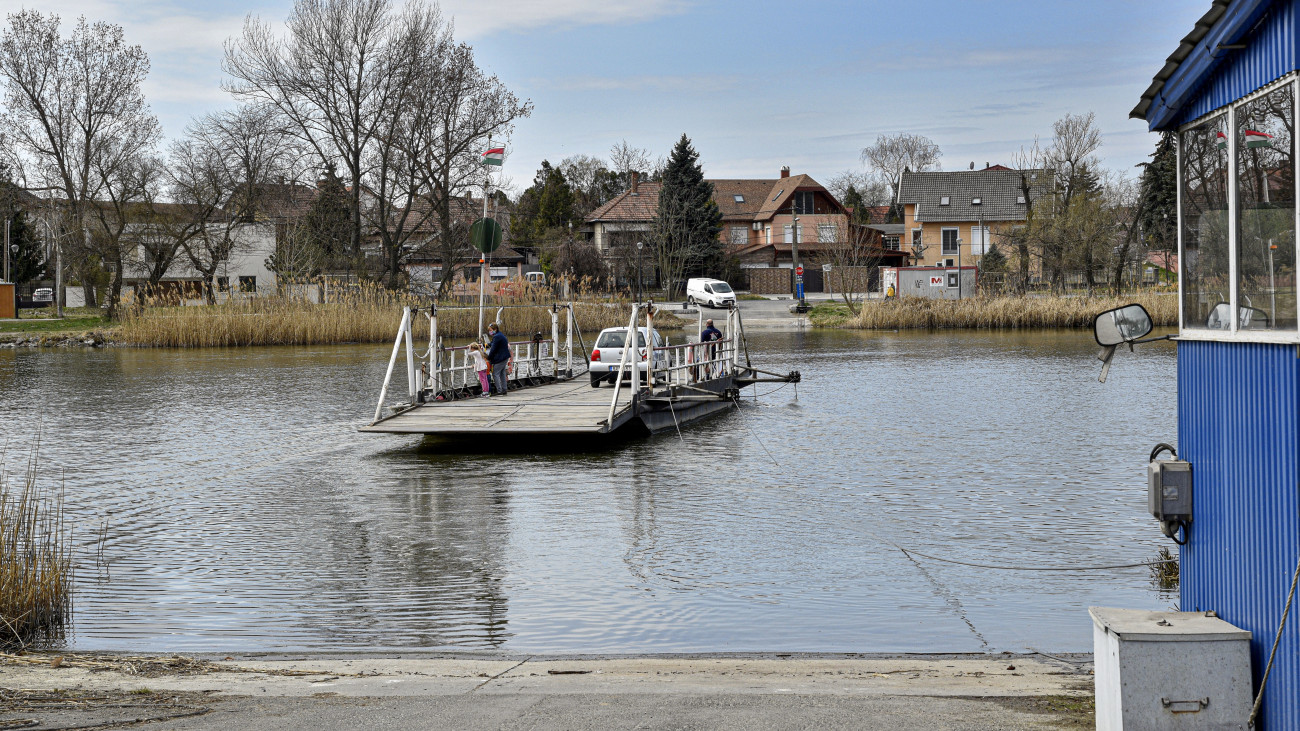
943 244
1229 111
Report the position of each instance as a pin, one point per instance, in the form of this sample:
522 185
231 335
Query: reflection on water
246 513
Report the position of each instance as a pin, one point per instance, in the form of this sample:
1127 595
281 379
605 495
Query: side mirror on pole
1112 328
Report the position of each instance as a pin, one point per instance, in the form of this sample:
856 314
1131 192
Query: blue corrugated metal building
1230 94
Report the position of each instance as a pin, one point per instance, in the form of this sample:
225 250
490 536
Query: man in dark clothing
498 358
708 335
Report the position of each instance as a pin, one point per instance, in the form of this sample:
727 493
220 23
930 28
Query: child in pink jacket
480 367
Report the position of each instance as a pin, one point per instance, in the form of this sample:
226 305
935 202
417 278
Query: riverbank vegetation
997 312
362 314
35 561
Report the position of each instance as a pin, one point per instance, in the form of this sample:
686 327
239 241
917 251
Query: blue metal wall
1239 426
1271 53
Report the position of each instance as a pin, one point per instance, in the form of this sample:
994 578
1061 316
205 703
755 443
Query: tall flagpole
482 255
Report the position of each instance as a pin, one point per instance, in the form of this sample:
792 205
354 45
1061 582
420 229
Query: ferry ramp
560 407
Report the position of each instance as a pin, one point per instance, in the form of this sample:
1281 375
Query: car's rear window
617 338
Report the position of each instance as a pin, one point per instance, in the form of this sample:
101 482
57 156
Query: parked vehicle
608 353
711 292
43 296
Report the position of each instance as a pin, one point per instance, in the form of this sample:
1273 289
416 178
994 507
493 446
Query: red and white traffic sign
799 270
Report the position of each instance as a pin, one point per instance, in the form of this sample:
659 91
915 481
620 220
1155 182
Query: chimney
635 175
785 171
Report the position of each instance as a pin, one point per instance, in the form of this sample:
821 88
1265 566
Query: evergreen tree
26 252
547 204
688 220
861 211
1158 195
329 220
993 262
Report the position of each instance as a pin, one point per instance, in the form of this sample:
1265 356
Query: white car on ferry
608 353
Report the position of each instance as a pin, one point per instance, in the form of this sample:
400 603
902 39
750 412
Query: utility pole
794 259
482 260
959 266
6 250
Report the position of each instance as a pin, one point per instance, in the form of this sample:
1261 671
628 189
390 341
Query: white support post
1234 245
568 339
411 374
650 347
555 341
392 361
435 377
737 334
622 364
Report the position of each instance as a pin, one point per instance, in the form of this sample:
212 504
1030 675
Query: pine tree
1158 195
26 253
688 220
329 220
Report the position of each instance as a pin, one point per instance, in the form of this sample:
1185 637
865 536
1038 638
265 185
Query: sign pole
482 260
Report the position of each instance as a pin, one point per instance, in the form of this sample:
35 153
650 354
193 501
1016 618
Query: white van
711 292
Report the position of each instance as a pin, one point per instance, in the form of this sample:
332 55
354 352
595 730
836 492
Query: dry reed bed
363 315
1005 312
35 561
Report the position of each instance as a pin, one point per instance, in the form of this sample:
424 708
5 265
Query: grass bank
989 312
43 321
35 561
362 315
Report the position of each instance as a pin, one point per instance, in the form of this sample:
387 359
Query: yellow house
951 218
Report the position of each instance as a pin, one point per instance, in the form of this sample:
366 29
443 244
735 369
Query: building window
953 279
803 202
1020 199
1266 248
248 284
1205 222
976 201
916 237
827 233
738 198
789 233
891 243
739 236
223 284
945 200
949 241
979 240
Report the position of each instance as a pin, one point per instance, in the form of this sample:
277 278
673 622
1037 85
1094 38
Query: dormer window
975 201
1020 199
739 198
945 200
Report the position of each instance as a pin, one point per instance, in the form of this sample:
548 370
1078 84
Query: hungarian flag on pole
1258 139
494 156
1222 139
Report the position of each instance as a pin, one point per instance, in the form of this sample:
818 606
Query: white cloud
476 18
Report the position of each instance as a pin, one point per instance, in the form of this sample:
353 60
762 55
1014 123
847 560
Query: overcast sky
756 85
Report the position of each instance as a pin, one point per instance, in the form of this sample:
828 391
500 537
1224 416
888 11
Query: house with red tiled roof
626 218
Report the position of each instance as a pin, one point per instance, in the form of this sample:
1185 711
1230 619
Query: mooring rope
736 401
911 552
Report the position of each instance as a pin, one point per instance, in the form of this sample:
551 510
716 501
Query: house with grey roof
951 218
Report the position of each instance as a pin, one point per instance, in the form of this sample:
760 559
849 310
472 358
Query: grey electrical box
1169 490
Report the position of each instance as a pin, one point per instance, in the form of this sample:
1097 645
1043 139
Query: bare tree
77 112
127 182
892 154
469 108
331 78
396 159
852 253
219 173
624 159
1075 141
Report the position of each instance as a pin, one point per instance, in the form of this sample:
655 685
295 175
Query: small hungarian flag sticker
494 156
1222 139
1258 139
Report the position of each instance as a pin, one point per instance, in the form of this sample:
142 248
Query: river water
243 512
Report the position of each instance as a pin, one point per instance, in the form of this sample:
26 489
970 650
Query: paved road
897 693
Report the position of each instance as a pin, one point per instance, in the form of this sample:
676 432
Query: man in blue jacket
498 358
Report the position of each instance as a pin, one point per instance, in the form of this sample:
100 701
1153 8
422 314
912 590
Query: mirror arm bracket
1150 340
